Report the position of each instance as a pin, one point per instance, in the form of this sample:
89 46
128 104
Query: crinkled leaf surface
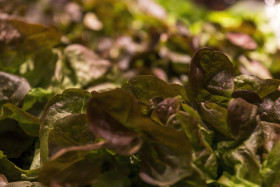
270 108
71 101
72 130
262 87
237 121
165 109
243 159
213 71
146 87
163 160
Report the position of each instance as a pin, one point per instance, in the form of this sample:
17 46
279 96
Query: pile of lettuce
218 130
124 93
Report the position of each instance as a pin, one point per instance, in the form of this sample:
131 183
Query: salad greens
126 93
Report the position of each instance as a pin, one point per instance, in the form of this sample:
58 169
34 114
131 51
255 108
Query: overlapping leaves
161 134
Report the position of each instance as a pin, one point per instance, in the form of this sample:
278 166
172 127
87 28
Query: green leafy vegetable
71 101
14 173
213 71
107 93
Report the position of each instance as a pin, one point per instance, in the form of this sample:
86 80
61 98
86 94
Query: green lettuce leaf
14 173
243 160
270 170
262 87
215 117
74 165
71 101
71 130
203 156
18 130
226 180
35 100
146 87
27 122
